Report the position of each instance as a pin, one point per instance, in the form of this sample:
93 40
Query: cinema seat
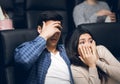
9 40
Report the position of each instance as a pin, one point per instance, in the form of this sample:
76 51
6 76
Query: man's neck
52 50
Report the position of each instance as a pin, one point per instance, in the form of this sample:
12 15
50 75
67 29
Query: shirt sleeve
108 63
105 5
28 52
85 77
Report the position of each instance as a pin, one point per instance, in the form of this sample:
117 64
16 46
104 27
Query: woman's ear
39 29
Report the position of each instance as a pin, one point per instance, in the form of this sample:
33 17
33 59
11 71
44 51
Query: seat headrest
10 39
46 4
7 4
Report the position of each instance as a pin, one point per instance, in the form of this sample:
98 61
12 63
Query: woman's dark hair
49 15
72 50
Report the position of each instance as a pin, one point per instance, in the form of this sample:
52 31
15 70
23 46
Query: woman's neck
91 2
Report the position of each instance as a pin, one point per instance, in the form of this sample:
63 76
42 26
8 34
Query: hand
88 55
94 49
103 12
112 17
50 28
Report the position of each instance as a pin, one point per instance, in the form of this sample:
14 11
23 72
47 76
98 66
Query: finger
43 25
81 59
93 46
57 23
59 27
86 50
112 17
52 24
89 50
82 51
108 12
93 42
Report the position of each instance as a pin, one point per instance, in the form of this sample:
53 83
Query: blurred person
91 63
44 57
92 11
5 21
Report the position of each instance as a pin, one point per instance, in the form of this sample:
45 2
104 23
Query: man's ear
39 29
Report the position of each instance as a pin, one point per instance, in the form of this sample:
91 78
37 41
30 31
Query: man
44 57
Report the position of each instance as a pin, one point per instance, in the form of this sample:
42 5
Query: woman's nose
87 44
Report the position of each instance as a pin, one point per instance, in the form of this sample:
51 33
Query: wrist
43 36
92 66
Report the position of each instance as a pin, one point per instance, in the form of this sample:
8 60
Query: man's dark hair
49 15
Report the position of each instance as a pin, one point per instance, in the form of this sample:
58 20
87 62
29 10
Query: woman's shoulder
101 48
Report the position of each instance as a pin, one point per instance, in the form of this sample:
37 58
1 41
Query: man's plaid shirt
34 56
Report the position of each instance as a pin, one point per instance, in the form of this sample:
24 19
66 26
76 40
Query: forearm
28 52
112 70
83 77
93 76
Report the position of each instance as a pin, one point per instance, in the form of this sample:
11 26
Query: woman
91 64
92 11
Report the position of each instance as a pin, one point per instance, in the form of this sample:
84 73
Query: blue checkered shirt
34 56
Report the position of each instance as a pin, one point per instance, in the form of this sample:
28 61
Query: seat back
107 34
34 8
9 40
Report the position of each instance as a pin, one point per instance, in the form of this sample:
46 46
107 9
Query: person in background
91 63
92 11
46 60
5 21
